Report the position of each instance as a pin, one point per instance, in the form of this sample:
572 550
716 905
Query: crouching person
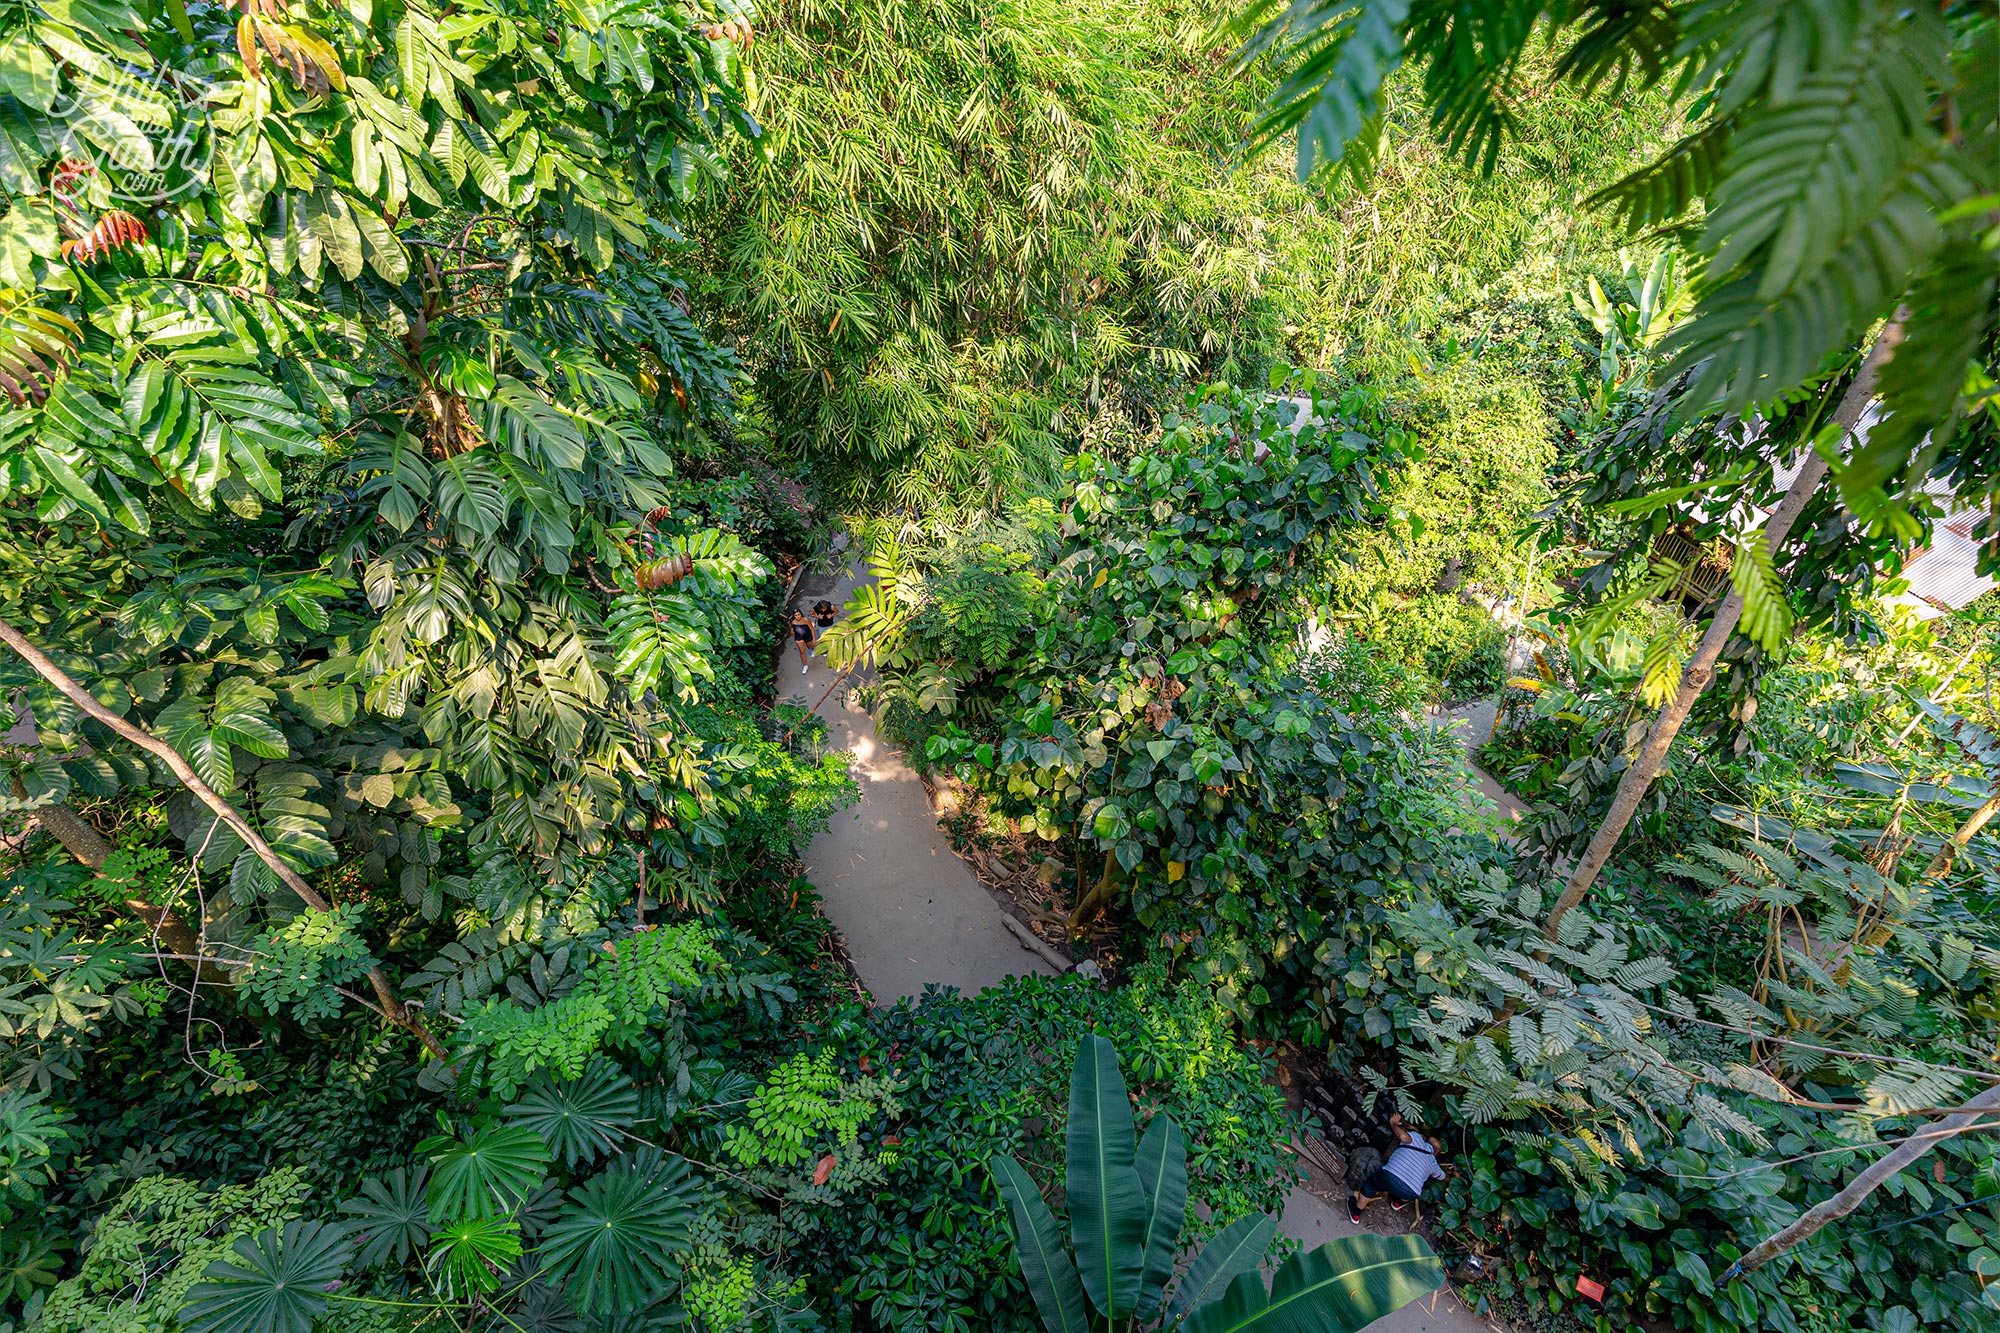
1413 1165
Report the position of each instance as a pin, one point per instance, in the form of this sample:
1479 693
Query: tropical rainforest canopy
1436 548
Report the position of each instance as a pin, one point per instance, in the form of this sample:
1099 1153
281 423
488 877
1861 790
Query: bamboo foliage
958 237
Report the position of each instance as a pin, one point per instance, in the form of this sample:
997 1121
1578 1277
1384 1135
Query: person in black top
824 613
802 639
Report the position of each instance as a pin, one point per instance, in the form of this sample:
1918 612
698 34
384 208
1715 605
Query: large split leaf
613 1247
483 1176
390 1217
579 1118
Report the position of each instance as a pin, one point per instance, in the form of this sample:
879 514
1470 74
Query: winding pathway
911 913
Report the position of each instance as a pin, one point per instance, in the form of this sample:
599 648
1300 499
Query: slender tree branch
1700 669
1863 1185
391 1008
91 849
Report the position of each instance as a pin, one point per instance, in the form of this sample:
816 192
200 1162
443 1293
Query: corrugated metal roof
1945 577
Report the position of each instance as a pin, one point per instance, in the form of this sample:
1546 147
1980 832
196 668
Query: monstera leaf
276 1284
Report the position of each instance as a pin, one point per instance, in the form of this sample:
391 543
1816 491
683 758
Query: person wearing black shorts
802 639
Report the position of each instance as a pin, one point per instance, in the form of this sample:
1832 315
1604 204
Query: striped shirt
1414 1164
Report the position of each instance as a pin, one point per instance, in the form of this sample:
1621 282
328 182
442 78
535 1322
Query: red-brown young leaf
664 572
113 230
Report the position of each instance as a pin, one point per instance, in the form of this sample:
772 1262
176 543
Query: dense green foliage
416 420
932 1251
957 239
1127 1200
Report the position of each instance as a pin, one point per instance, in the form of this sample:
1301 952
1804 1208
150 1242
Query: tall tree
1845 157
343 380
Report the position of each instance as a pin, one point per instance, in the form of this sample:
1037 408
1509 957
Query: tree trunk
1700 669
392 1008
1097 899
1977 820
82 840
77 835
1865 1184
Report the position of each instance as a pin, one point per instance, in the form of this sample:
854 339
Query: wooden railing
1701 581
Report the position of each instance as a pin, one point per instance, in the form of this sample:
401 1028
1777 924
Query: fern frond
1625 43
1948 315
1747 347
1806 173
1337 53
1767 618
1475 52
1660 672
1667 187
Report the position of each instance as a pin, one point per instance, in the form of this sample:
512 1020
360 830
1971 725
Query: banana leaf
1107 1203
1038 1240
1163 1174
1237 1248
1341 1287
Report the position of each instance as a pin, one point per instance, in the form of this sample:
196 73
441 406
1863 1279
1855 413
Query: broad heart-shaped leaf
579 1118
1237 1248
1107 1204
484 1176
1038 1243
1162 1167
613 1245
1341 1287
276 1284
391 1218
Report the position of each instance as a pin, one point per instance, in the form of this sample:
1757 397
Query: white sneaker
802 670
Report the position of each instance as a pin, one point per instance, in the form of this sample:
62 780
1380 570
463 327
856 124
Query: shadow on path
909 911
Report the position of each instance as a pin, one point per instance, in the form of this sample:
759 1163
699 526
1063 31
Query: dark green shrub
986 1074
1661 1238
